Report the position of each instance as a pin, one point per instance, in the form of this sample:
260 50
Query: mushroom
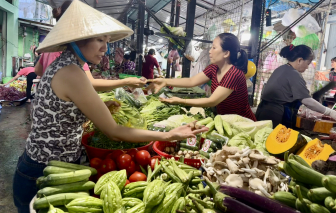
244 177
256 155
220 165
271 160
220 155
234 180
231 150
232 166
180 153
255 164
258 184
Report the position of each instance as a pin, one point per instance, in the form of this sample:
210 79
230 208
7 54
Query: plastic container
6 79
159 146
93 152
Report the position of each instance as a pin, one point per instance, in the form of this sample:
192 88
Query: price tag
206 145
191 142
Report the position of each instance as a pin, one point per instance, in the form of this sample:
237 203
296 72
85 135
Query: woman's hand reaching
136 82
172 100
187 131
157 84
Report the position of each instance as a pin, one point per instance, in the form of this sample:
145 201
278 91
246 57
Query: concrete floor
14 129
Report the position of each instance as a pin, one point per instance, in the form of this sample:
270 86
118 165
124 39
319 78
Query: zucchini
205 121
329 181
219 125
205 154
57 200
65 188
71 166
329 203
318 195
316 208
193 148
64 178
286 198
56 170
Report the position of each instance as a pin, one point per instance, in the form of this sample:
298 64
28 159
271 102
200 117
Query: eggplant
234 206
258 202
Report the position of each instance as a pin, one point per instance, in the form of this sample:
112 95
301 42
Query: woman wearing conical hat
65 99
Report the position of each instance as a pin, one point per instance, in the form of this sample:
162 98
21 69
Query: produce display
10 94
19 85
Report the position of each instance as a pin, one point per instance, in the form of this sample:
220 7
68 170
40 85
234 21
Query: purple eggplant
258 202
234 206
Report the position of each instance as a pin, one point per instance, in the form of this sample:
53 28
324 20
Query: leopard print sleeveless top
56 125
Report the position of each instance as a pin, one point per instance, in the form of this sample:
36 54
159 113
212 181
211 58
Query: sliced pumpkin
282 139
315 150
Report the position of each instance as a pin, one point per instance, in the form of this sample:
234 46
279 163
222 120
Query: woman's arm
219 95
39 68
71 84
196 80
317 107
105 85
13 79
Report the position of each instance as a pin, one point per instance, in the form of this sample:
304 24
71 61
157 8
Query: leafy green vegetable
251 128
241 140
260 139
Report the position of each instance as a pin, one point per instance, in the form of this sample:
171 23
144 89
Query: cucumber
65 188
205 154
71 166
46 210
56 170
193 148
40 181
318 195
316 208
286 198
329 182
64 178
205 121
329 203
57 200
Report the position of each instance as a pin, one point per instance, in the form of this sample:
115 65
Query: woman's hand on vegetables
136 82
172 100
113 106
157 84
186 131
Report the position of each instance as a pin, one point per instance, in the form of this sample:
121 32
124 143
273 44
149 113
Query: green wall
12 32
25 43
1 18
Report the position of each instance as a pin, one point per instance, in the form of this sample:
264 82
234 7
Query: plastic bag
308 22
311 41
139 95
190 52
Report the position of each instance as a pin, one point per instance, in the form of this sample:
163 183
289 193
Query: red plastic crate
93 152
159 146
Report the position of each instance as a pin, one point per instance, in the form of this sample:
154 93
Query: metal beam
118 5
178 11
172 9
190 31
140 33
133 28
184 19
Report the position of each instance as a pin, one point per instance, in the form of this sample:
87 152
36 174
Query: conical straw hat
79 22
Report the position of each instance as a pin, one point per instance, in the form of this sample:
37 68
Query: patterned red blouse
237 102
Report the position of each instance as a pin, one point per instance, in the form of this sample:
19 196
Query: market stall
237 166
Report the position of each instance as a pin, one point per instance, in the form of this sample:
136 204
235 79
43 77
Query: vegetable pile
19 85
10 94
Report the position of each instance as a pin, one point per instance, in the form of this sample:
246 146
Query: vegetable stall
237 166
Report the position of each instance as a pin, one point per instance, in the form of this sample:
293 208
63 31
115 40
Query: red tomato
137 176
107 166
137 168
96 163
127 182
143 158
124 161
132 153
114 155
152 162
131 168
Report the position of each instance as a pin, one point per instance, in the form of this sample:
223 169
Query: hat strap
77 51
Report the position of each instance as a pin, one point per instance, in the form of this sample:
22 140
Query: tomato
124 161
143 158
132 153
152 161
96 163
137 168
127 182
137 176
131 168
107 166
114 155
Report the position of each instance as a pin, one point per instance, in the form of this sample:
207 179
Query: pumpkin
282 140
315 150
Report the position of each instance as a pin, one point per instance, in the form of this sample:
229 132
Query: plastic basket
93 152
159 146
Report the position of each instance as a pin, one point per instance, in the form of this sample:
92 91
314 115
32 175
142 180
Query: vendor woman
228 83
286 89
65 99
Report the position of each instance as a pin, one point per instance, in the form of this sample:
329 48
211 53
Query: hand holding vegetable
136 82
186 131
157 84
113 106
172 100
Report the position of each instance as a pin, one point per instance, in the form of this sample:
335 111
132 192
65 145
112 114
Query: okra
170 173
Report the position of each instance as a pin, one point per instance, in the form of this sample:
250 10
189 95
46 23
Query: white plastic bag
190 52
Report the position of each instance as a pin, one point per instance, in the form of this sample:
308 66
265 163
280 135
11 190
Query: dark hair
151 52
20 68
238 57
127 57
58 12
291 53
333 59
